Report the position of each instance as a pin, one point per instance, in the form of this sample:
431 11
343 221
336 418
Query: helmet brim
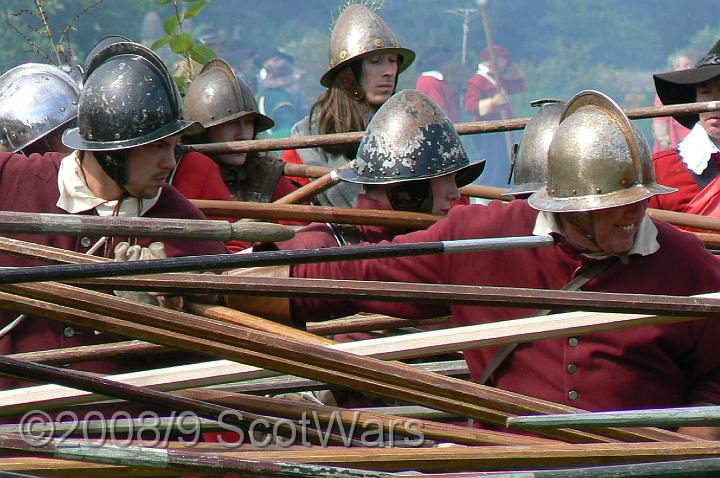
465 175
262 122
407 55
543 201
526 188
72 139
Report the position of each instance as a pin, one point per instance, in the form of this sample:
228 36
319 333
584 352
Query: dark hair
338 112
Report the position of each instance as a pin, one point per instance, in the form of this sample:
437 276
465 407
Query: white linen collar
435 74
696 148
645 240
76 196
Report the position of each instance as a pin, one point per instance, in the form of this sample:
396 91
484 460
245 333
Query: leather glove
124 252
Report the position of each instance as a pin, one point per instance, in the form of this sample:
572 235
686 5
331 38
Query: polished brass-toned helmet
217 96
597 159
410 138
530 163
35 100
359 32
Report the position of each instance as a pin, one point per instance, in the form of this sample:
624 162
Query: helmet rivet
212 116
552 191
574 191
228 110
623 182
598 190
117 135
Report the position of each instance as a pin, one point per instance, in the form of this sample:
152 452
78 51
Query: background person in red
487 99
694 163
437 81
365 61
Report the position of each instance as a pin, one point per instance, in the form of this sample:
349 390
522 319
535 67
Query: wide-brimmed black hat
677 87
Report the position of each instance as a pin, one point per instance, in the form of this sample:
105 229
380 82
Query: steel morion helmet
359 32
217 96
596 159
102 44
530 163
408 140
128 100
35 100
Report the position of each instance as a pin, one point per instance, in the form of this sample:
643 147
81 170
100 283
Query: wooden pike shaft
103 386
178 459
695 462
75 224
269 212
360 420
91 352
662 417
324 182
288 356
681 307
476 127
475 190
270 258
298 212
216 348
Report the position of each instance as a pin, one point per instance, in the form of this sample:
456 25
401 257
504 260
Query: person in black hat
694 163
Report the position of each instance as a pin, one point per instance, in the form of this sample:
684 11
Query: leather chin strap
349 83
584 224
114 163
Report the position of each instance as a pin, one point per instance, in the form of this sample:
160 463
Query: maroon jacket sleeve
434 269
199 177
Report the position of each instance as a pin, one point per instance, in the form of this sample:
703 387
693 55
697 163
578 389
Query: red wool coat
480 87
29 184
659 366
671 171
442 93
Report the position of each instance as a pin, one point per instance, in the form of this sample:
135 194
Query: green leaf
181 43
172 25
195 9
160 43
161 2
202 53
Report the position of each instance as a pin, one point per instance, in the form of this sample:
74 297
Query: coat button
572 368
572 395
85 242
68 332
573 342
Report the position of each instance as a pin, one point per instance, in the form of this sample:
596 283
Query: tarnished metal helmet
596 159
128 100
410 138
530 163
35 100
217 96
359 32
104 42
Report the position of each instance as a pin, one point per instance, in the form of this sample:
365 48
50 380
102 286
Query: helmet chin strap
115 165
584 224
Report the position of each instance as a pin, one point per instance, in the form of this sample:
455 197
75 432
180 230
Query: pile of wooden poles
248 361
